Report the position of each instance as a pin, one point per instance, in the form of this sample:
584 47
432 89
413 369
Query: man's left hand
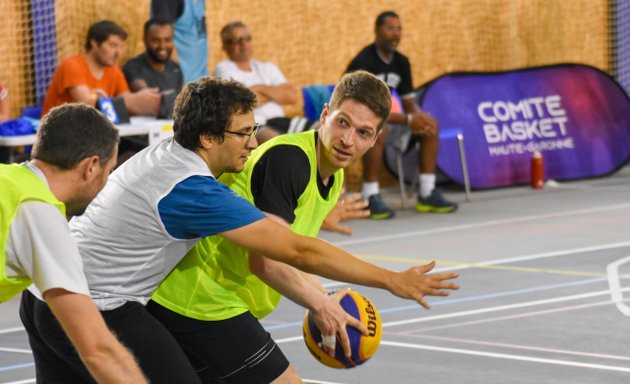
348 208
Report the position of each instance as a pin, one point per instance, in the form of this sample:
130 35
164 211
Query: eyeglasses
249 135
238 40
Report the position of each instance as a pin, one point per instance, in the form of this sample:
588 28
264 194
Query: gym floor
542 299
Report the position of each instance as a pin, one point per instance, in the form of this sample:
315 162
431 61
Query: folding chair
399 141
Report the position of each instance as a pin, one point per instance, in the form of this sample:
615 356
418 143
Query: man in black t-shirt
382 59
154 67
212 302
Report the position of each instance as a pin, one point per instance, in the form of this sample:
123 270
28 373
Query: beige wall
313 41
15 71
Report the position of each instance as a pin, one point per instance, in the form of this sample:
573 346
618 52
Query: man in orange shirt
94 74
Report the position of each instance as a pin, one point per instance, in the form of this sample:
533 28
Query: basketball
363 347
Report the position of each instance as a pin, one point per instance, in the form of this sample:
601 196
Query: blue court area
545 279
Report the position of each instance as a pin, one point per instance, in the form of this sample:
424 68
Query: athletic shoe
378 209
435 202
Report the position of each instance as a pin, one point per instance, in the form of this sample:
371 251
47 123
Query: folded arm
282 94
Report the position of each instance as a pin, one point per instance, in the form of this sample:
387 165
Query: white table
155 129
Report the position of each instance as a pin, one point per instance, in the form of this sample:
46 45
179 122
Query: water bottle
538 171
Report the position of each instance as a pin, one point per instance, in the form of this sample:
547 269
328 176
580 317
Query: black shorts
160 357
290 125
235 350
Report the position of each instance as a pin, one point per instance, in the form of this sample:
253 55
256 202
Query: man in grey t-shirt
154 67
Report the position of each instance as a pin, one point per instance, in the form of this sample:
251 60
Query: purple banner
576 115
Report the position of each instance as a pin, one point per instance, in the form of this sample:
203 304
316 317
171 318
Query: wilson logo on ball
362 347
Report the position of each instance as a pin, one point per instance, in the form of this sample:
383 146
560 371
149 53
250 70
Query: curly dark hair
206 107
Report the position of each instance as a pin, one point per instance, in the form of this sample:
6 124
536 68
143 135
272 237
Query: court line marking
467 265
16 350
455 265
470 312
510 317
496 264
543 255
27 381
455 300
499 308
289 339
481 225
515 346
11 330
615 285
506 356
16 366
451 301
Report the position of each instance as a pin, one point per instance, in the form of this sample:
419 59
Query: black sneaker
378 209
435 202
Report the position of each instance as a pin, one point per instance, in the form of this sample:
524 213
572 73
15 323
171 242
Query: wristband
408 118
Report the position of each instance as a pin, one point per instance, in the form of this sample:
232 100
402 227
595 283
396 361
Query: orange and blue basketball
363 347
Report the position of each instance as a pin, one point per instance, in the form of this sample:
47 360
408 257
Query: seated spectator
5 105
94 74
383 60
154 67
265 79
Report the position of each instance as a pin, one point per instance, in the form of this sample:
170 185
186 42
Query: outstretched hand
414 283
331 320
348 208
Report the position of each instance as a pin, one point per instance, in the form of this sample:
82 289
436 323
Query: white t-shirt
39 245
262 73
